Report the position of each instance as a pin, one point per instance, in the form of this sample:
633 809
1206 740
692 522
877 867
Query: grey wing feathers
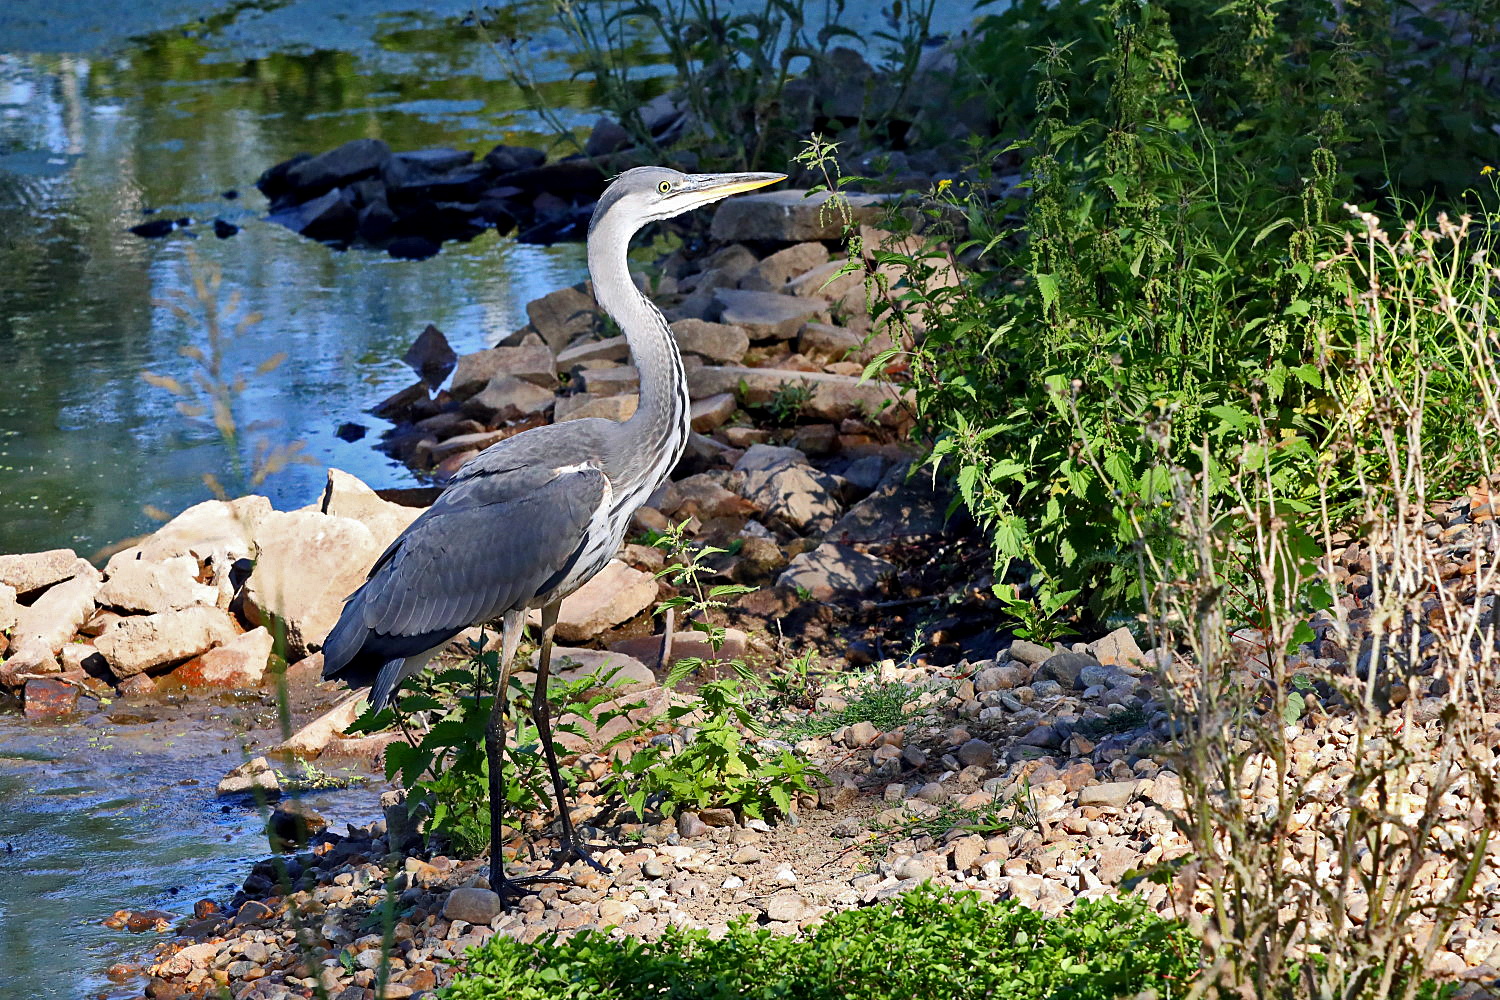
488 544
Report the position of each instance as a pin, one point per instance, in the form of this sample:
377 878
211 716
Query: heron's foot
512 890
572 850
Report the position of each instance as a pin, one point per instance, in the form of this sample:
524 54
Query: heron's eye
664 187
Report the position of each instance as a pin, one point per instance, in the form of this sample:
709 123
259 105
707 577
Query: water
169 121
105 815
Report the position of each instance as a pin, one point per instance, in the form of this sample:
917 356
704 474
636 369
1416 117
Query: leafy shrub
923 945
1176 281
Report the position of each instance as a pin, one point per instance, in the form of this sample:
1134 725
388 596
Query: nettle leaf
1047 285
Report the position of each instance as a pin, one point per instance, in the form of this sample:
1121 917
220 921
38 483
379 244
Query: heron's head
646 194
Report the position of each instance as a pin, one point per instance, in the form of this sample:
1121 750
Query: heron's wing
490 543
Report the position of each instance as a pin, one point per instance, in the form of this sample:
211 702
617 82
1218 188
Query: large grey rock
795 494
347 496
789 216
1066 669
506 398
422 168
892 512
306 564
768 315
152 587
718 342
834 397
1119 649
214 530
563 316
146 643
36 571
353 160
832 572
531 362
826 281
617 594
48 623
766 457
772 273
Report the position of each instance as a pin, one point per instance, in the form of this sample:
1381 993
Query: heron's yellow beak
723 185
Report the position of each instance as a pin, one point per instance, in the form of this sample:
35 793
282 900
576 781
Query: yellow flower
947 182
1486 169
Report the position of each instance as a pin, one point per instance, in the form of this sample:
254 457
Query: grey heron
528 520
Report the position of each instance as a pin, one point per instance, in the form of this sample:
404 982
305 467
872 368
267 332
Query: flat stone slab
832 571
834 397
767 315
791 216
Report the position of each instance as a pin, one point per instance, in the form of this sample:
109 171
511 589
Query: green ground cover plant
923 945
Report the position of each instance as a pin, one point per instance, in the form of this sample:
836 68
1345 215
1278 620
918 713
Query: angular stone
311 739
425 168
834 397
153 587
718 342
767 315
472 905
583 405
137 645
685 646
561 317
353 160
506 398
240 662
832 571
431 356
1065 668
617 594
768 457
788 907
611 381
701 496
1113 794
254 777
610 349
53 619
1001 678
346 496
709 414
892 512
532 362
571 663
214 530
36 571
789 216
306 565
505 159
772 273
48 698
826 281
1028 652
291 825
796 494
10 608
1119 649
976 753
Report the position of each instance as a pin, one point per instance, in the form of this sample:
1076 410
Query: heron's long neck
657 433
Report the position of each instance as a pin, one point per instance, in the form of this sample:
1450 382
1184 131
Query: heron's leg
511 628
541 711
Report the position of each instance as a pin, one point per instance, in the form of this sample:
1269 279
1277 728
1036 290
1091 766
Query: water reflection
89 144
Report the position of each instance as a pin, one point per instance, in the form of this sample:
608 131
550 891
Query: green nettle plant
1185 165
718 766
